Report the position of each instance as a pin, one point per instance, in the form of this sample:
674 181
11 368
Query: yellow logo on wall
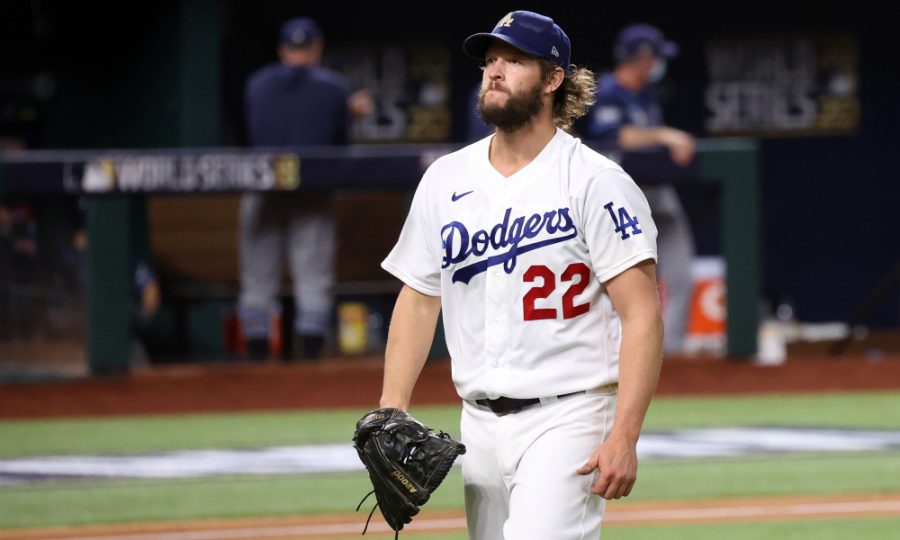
287 171
99 176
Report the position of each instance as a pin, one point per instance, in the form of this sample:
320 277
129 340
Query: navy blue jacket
617 106
297 106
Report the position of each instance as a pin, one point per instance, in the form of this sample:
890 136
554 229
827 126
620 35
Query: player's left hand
616 460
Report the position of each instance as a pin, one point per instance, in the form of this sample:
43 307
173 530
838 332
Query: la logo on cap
506 21
554 52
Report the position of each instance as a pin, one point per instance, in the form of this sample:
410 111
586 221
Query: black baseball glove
406 462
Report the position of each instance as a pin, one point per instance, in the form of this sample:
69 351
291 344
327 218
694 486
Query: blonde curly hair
574 96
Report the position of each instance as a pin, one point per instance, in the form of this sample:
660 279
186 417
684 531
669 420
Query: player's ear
555 79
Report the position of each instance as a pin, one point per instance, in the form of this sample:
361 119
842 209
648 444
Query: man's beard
518 110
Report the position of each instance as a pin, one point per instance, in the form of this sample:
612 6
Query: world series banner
183 173
777 86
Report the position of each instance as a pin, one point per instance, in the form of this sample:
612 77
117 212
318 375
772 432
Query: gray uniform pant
302 228
676 254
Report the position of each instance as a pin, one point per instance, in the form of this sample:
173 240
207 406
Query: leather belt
504 405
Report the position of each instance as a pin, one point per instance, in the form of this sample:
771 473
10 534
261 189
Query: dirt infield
357 383
617 515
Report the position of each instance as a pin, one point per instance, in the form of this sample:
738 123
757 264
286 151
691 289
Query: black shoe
258 349
309 346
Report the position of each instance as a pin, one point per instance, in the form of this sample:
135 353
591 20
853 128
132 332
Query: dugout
174 79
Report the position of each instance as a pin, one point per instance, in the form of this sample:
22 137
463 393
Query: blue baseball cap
529 32
299 32
639 37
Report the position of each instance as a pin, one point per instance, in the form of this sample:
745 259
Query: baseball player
627 112
541 254
295 102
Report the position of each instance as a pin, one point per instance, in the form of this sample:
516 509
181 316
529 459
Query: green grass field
85 502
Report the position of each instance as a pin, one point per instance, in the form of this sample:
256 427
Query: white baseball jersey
520 264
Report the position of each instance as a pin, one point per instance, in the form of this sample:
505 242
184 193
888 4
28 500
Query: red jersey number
536 293
575 271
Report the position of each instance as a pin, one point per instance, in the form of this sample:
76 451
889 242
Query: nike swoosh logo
456 197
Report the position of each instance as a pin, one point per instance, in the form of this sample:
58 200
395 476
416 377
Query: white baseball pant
519 469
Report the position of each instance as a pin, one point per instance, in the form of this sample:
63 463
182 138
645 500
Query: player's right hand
616 460
361 103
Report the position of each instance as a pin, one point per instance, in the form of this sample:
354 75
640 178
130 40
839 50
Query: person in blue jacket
628 113
293 103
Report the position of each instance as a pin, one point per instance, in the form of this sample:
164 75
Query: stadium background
94 75
110 64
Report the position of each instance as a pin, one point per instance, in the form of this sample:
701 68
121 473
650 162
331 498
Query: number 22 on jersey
577 274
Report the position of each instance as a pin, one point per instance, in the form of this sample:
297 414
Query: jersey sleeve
413 259
607 117
618 228
253 112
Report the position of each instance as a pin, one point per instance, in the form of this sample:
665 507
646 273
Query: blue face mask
658 71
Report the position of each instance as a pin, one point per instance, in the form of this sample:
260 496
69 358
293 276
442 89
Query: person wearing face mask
627 112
